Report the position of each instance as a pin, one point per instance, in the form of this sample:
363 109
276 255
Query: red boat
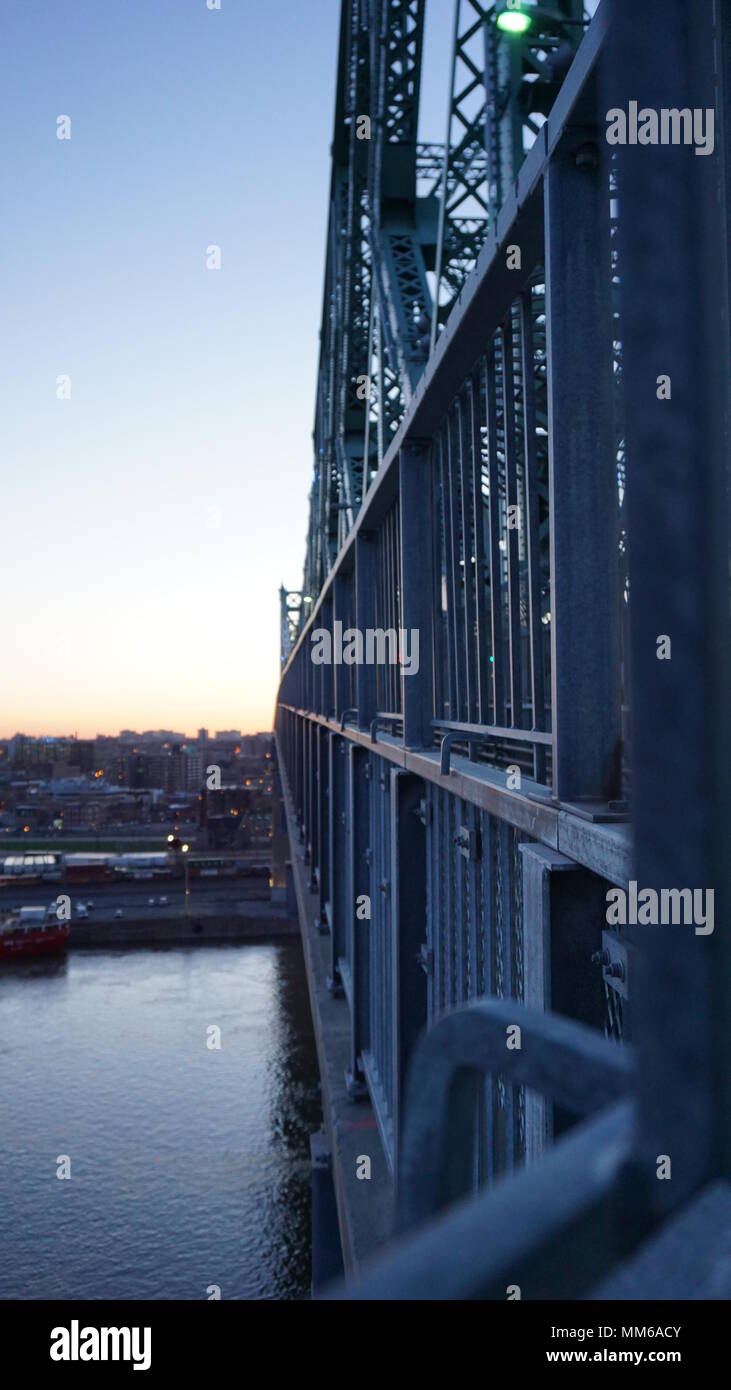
32 931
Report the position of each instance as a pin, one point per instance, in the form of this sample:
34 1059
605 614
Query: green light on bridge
513 21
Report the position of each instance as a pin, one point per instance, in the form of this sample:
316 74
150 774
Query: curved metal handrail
562 1060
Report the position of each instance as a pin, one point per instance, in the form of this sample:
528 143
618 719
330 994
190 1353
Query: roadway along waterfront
154 912
206 895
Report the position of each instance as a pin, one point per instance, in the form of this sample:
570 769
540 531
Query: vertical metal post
302 762
446 852
582 475
439 879
444 195
672 241
505 926
312 735
722 10
415 493
454 575
324 823
358 926
457 923
449 625
327 1256
336 858
365 680
467 465
408 929
487 1163
512 532
297 735
496 576
337 614
328 673
538 863
483 638
532 529
309 684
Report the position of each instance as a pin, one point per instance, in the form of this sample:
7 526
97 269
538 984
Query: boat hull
18 945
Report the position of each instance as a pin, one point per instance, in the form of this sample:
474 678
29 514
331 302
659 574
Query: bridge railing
480 869
483 539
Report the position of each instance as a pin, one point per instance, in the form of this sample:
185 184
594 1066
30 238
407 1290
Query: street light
175 845
184 850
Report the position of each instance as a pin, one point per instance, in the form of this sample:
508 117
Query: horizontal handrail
480 733
601 848
549 1231
384 718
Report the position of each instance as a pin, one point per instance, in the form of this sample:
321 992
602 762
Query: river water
189 1163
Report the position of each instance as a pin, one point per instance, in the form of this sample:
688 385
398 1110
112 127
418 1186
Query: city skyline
127 731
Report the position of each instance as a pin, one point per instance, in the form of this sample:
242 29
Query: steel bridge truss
406 223
479 804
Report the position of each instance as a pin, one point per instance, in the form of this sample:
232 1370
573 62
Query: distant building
158 771
193 769
81 754
176 769
63 770
16 749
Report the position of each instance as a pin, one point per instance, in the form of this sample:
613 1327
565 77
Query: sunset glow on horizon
150 518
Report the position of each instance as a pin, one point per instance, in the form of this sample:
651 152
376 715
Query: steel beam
672 242
582 474
337 857
365 614
408 929
417 590
358 926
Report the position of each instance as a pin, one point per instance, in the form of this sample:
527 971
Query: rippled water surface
189 1166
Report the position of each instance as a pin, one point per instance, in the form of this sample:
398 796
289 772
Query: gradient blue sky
192 391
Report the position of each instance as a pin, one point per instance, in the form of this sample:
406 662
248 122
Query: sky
148 520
